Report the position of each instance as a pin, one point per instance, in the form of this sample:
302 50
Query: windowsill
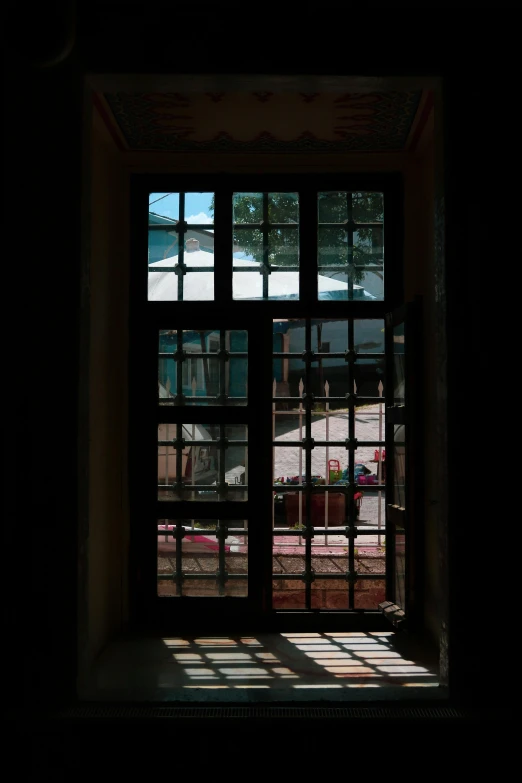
267 667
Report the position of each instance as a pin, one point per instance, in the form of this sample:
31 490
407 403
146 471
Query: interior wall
165 163
107 544
420 281
432 508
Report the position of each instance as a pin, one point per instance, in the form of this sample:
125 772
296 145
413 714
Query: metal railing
300 413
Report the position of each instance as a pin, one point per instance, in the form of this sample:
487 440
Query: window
263 477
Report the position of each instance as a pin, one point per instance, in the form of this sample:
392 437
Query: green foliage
283 208
333 240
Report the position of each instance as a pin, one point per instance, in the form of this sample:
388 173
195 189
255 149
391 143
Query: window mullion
351 467
181 246
180 359
223 247
221 534
265 269
308 247
179 533
222 361
350 248
309 531
222 445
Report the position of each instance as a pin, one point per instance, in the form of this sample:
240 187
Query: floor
275 667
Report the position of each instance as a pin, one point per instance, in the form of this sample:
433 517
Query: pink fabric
170 544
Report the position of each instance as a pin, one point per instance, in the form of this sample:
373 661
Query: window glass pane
287 594
180 258
207 377
371 507
212 463
167 367
351 257
237 381
163 205
169 279
199 208
332 207
283 248
334 271
261 252
288 425
368 242
369 593
289 373
368 255
333 247
247 207
329 376
328 509
330 594
367 207
248 246
247 281
283 207
369 335
283 285
289 464
200 379
163 246
369 375
328 462
211 565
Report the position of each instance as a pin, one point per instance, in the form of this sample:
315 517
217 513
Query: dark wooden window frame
147 318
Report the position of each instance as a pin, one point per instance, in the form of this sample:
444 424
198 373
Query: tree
283 208
367 249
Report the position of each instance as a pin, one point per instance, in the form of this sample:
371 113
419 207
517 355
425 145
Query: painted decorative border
387 130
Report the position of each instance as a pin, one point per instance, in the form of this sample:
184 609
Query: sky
197 206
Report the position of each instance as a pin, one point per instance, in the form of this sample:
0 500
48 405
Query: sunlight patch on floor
280 664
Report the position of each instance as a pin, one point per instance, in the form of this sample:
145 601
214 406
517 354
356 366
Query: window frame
147 318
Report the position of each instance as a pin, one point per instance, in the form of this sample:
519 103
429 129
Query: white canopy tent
199 286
